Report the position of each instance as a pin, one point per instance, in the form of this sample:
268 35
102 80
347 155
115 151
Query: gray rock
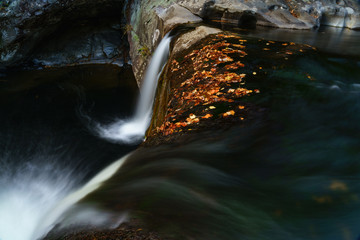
84 46
189 39
174 15
150 20
35 31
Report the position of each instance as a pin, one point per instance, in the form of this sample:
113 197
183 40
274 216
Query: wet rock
151 20
131 230
174 15
84 45
189 39
305 14
58 32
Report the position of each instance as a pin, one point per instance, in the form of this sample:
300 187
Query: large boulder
149 21
300 14
59 32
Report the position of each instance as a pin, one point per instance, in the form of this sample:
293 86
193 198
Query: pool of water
47 146
291 173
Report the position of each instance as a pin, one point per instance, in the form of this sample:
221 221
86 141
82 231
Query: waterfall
53 216
31 209
41 195
133 129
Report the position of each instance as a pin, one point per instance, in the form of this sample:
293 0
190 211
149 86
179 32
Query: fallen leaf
229 113
192 116
207 116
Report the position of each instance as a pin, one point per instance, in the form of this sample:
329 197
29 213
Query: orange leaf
207 115
231 112
192 116
228 113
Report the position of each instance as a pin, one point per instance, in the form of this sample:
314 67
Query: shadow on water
293 173
46 148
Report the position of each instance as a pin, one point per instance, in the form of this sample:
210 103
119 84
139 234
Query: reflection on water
328 39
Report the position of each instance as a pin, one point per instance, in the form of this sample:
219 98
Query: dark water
293 172
47 148
50 109
340 41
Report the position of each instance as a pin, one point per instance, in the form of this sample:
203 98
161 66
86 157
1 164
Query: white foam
133 129
33 203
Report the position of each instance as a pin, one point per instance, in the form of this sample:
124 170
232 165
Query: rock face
59 32
151 20
157 17
189 39
300 14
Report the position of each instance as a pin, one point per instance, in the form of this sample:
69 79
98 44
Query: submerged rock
214 84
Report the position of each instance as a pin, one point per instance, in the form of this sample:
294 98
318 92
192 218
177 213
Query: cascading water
26 200
43 198
133 130
47 161
54 215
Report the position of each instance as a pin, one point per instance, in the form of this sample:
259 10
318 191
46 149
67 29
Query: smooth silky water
291 173
46 148
133 129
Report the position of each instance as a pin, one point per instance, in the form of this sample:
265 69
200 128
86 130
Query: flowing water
46 150
290 173
133 129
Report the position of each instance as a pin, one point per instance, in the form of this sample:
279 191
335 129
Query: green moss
135 37
144 51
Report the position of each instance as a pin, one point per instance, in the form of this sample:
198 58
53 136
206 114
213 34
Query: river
291 173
